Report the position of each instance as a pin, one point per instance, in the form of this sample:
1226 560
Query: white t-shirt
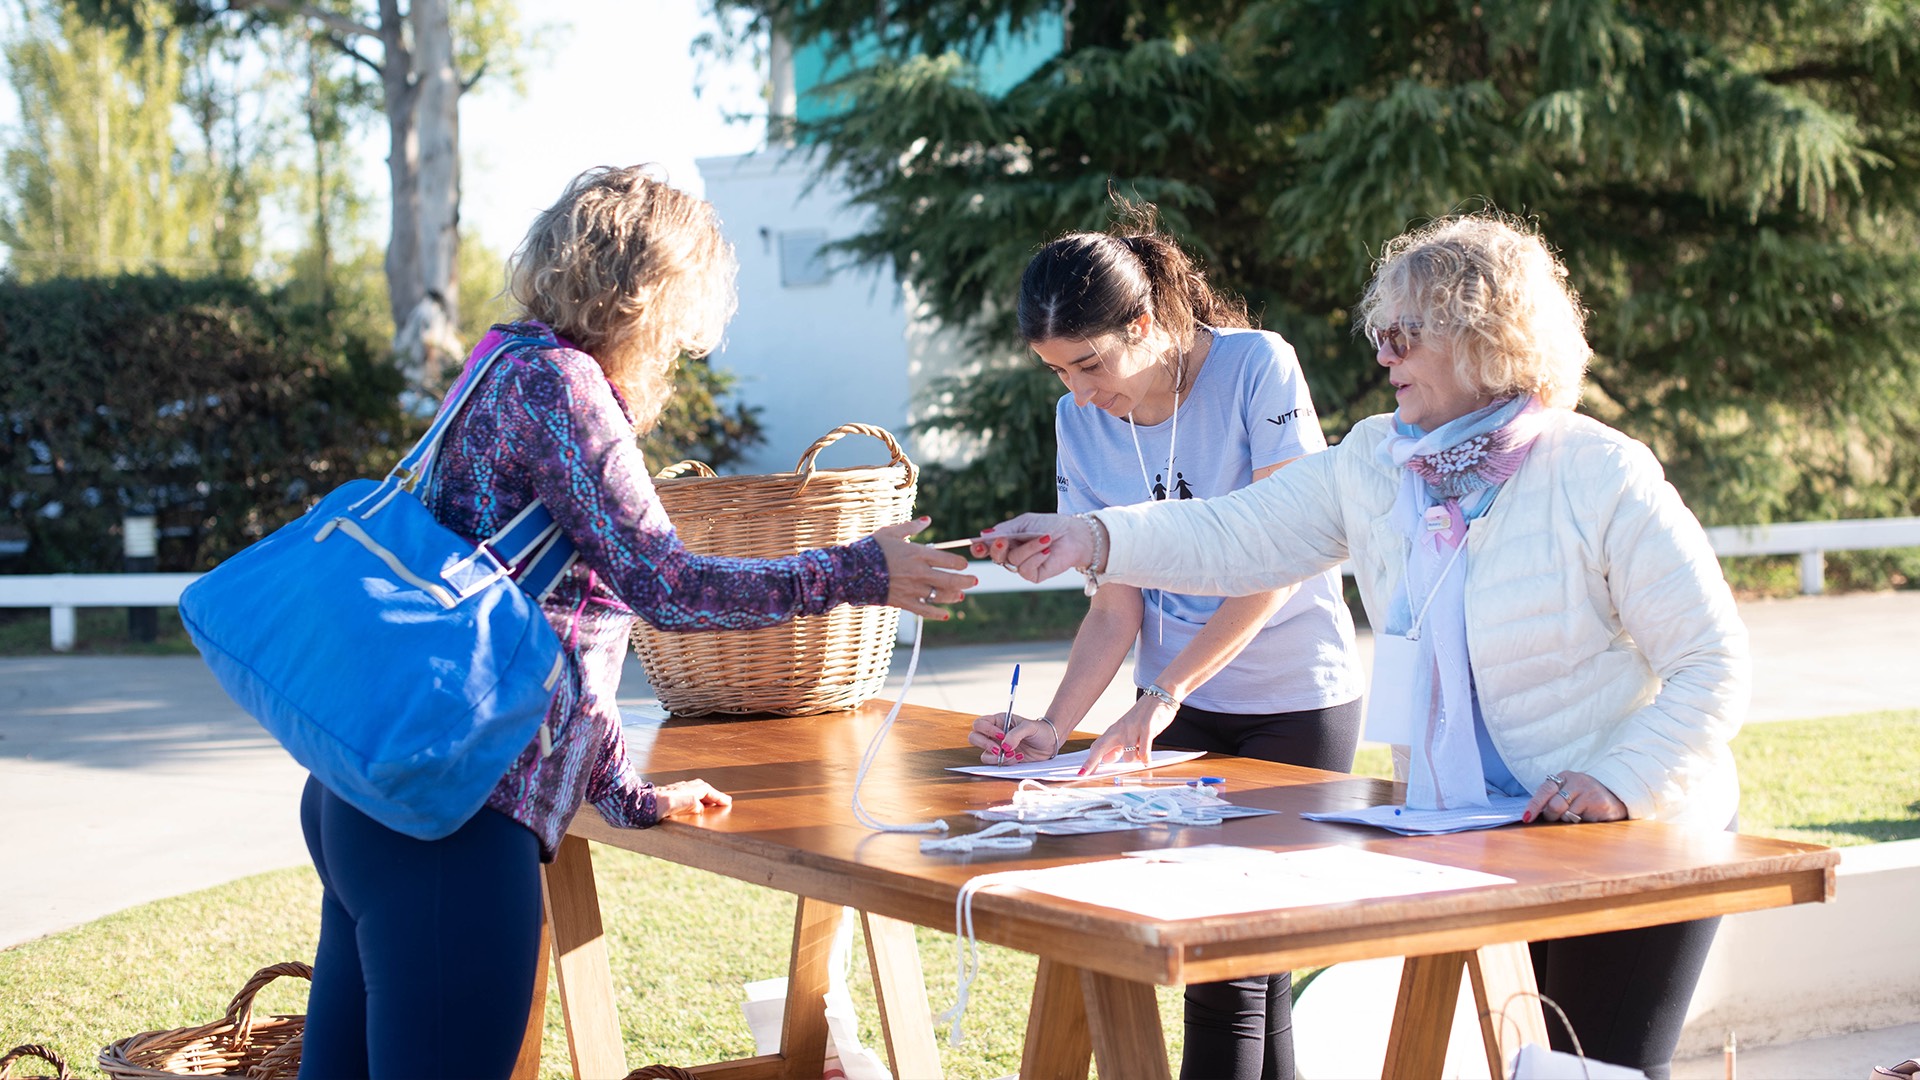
1249 408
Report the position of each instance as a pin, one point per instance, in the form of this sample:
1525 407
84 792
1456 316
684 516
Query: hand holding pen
1007 738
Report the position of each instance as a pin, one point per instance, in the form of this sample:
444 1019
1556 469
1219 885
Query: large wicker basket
816 663
235 1045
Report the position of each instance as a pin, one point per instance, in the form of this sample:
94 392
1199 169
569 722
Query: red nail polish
1019 757
1527 817
986 530
1046 551
1048 539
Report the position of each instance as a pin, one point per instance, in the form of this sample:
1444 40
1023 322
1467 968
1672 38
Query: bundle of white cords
1036 801
1169 806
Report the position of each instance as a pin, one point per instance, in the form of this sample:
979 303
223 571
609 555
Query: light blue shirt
1249 408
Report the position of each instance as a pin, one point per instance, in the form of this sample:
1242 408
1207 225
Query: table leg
803 1031
527 1065
1508 1000
1124 1020
1423 1016
1058 1046
580 954
906 1020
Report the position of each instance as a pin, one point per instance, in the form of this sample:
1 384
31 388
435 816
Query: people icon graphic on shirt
1180 487
1159 487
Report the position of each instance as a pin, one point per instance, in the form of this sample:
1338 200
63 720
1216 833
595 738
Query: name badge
1390 692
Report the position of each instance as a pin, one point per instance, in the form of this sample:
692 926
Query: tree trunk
437 83
404 282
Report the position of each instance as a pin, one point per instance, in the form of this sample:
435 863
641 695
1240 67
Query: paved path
130 779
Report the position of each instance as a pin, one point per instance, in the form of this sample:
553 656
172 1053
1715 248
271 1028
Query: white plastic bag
1536 1062
765 1009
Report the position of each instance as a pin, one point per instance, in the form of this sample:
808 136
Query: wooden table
791 828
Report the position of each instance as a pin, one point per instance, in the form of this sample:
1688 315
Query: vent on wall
802 262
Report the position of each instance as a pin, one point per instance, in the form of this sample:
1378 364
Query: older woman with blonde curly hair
1550 623
428 948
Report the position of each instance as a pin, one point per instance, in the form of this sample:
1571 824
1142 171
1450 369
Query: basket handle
678 468
240 1010
805 467
33 1050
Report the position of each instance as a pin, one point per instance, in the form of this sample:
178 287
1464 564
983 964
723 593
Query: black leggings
1626 993
427 947
1243 1029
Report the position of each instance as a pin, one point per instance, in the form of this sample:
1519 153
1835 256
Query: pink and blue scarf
1449 477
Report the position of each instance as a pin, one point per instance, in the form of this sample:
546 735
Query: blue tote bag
403 665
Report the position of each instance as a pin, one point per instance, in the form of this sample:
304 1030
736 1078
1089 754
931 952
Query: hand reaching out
1038 546
920 578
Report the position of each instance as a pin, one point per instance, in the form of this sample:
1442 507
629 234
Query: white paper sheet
1410 822
1175 884
1067 766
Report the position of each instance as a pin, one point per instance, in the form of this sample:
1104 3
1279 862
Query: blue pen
1171 781
1006 726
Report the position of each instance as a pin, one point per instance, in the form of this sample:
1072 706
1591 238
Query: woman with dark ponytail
1172 395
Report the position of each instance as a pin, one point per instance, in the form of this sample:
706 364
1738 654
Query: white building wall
813 356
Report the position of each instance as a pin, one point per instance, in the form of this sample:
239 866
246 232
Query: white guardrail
1811 540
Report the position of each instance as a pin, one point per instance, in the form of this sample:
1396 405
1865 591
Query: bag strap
412 470
536 547
531 545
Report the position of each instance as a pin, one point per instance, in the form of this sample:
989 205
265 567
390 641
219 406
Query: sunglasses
1399 337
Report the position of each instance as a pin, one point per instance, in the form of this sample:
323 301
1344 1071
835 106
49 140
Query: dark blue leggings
1243 1029
427 947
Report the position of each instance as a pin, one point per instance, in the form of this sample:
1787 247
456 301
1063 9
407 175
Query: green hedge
221 408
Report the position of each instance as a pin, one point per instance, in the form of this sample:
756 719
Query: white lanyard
1413 628
1173 441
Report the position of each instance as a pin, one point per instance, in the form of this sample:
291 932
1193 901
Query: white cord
873 751
1001 836
966 947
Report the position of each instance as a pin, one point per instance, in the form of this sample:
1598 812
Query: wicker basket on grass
18 1053
235 1045
816 663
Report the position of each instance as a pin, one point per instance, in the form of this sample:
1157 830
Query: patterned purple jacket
546 424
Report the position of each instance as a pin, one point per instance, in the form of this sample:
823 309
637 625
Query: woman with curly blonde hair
1550 623
428 948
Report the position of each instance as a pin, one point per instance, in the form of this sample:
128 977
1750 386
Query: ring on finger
1570 818
1563 794
932 592
1554 779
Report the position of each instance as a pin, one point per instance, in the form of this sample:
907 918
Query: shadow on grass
1877 831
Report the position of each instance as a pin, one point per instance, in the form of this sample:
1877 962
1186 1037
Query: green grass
684 942
1840 781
